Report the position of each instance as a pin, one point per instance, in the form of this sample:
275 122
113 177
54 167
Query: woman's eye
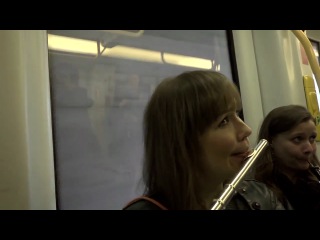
224 122
313 138
297 139
300 139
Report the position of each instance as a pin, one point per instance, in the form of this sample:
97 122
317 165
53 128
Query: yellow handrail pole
310 53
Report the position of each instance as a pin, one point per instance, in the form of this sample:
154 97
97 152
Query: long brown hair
179 111
278 121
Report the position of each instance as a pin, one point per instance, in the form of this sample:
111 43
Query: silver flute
231 187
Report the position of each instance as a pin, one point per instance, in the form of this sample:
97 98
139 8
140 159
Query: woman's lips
243 155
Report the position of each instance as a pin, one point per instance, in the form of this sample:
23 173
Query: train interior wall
270 74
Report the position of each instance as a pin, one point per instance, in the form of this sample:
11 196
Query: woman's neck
292 175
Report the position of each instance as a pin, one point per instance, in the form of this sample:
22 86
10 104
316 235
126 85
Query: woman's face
225 145
294 148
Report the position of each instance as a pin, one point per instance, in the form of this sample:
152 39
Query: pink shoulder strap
147 199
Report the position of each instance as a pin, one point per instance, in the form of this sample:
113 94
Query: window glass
100 82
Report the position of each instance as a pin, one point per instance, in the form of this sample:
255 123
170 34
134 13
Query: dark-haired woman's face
293 149
225 145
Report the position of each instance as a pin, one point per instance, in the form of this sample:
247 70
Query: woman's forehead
234 104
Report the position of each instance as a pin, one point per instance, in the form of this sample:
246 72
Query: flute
230 189
315 170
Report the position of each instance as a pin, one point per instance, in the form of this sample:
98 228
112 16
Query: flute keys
256 205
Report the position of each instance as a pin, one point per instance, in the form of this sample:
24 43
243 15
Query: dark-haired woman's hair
278 121
179 111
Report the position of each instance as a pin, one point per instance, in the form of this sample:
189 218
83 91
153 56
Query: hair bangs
231 100
218 98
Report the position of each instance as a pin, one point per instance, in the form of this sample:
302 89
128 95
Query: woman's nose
245 131
309 148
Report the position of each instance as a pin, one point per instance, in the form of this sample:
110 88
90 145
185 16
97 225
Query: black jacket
250 195
254 195
302 195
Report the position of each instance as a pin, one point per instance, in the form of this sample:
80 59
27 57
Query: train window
100 83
